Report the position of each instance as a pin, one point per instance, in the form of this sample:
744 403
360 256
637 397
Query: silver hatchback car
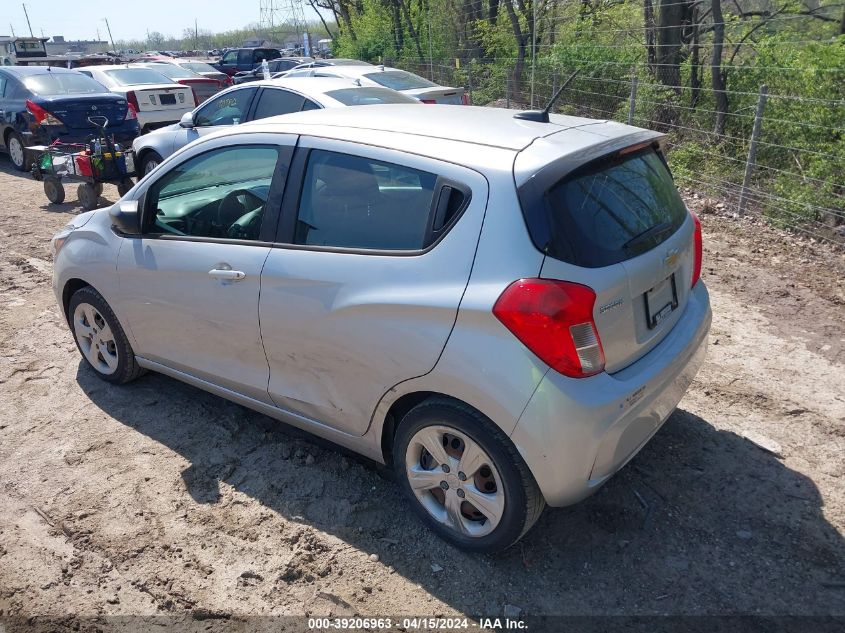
504 310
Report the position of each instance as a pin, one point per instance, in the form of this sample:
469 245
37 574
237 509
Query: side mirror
187 120
125 218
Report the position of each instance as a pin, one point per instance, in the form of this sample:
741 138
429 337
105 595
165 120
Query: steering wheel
234 205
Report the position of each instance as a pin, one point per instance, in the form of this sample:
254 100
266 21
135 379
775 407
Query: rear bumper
575 434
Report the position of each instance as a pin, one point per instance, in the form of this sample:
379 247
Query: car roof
307 85
350 70
26 71
494 127
110 67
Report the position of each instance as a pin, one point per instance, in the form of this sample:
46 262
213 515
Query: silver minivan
503 310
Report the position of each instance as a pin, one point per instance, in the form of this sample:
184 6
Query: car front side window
226 109
230 58
219 194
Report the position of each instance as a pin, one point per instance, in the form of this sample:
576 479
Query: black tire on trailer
54 190
87 196
98 187
124 186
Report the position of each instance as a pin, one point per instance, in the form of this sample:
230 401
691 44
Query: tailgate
617 224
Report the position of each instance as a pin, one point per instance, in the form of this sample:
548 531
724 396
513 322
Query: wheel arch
68 290
400 408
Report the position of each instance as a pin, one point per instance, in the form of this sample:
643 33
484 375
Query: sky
80 19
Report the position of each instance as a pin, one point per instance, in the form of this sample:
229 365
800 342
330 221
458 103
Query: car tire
54 190
150 161
87 195
98 189
509 500
100 338
125 186
17 151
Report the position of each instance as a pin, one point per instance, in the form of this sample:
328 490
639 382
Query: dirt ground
159 499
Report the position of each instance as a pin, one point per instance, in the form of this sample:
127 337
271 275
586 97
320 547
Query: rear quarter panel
483 364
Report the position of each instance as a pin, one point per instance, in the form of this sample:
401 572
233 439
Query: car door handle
230 275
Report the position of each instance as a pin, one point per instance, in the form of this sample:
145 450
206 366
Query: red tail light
465 99
131 113
554 319
428 101
42 116
697 250
132 99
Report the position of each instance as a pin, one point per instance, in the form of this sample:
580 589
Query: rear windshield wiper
654 233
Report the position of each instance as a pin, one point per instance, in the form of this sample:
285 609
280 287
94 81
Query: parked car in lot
202 87
393 78
158 100
276 66
504 310
258 100
244 59
39 105
204 69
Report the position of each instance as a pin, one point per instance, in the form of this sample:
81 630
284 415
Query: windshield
613 210
135 76
369 96
400 80
199 67
68 83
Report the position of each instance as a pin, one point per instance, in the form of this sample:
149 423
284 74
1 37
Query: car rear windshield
399 80
136 76
63 84
176 72
368 96
199 67
343 62
610 211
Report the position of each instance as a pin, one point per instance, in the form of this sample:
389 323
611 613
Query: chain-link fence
770 157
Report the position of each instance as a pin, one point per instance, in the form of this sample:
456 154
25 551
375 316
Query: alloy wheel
95 338
455 480
16 151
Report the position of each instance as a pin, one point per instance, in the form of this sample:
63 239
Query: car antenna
542 116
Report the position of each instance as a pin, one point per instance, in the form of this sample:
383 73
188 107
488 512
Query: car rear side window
355 202
613 210
275 101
